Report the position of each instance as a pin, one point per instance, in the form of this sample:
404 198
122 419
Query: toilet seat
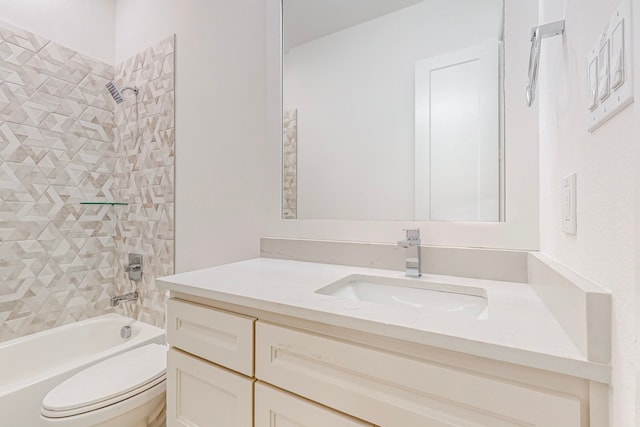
107 383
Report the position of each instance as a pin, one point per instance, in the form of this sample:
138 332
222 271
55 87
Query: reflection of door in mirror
351 70
457 123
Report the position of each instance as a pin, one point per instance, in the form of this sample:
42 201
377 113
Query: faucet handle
133 267
413 233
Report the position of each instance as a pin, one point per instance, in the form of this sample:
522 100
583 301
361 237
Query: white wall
220 109
140 24
604 248
520 231
85 26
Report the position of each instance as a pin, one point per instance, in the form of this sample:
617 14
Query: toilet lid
109 381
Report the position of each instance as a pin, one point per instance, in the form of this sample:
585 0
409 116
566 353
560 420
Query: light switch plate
617 56
592 78
569 204
603 71
612 54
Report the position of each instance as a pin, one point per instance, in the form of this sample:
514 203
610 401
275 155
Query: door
457 135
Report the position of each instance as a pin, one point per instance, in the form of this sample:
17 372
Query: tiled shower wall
290 164
57 139
144 176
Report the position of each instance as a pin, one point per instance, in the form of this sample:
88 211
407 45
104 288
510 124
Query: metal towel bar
537 34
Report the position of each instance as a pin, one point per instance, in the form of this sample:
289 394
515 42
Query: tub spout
115 300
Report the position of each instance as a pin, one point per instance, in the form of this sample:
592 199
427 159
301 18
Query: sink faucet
412 262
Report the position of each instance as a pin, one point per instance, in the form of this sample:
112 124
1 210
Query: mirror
392 110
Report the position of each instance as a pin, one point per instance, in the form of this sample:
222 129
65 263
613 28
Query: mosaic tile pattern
56 150
144 176
63 141
290 164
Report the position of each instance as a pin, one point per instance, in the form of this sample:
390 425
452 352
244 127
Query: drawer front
387 389
276 408
200 394
218 336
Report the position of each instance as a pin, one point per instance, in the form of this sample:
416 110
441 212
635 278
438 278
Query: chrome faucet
115 300
412 244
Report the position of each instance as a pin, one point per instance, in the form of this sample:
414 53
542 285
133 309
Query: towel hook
537 34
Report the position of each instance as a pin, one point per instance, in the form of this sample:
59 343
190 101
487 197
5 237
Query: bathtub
32 365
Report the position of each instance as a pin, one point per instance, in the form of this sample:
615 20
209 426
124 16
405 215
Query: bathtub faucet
412 261
115 300
135 267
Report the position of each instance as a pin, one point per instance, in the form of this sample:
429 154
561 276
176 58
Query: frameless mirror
392 110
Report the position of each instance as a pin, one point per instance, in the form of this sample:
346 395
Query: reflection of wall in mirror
357 161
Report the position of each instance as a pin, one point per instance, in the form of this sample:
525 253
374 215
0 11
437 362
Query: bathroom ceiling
307 20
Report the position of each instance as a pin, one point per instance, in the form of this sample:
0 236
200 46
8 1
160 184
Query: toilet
127 390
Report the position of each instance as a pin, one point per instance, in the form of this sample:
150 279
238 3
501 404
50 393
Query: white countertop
520 329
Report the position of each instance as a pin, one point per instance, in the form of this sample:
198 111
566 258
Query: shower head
117 93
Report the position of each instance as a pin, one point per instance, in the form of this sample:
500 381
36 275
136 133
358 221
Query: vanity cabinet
210 376
310 375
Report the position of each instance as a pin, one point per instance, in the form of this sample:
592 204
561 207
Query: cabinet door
276 408
223 338
201 394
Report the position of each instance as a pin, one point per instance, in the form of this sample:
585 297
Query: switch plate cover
592 78
617 56
603 71
613 46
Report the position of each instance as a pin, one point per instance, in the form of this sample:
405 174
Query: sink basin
438 298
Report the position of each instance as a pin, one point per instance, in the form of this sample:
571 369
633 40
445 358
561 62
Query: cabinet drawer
276 408
388 389
221 337
200 394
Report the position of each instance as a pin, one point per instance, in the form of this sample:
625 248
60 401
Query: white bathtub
32 365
